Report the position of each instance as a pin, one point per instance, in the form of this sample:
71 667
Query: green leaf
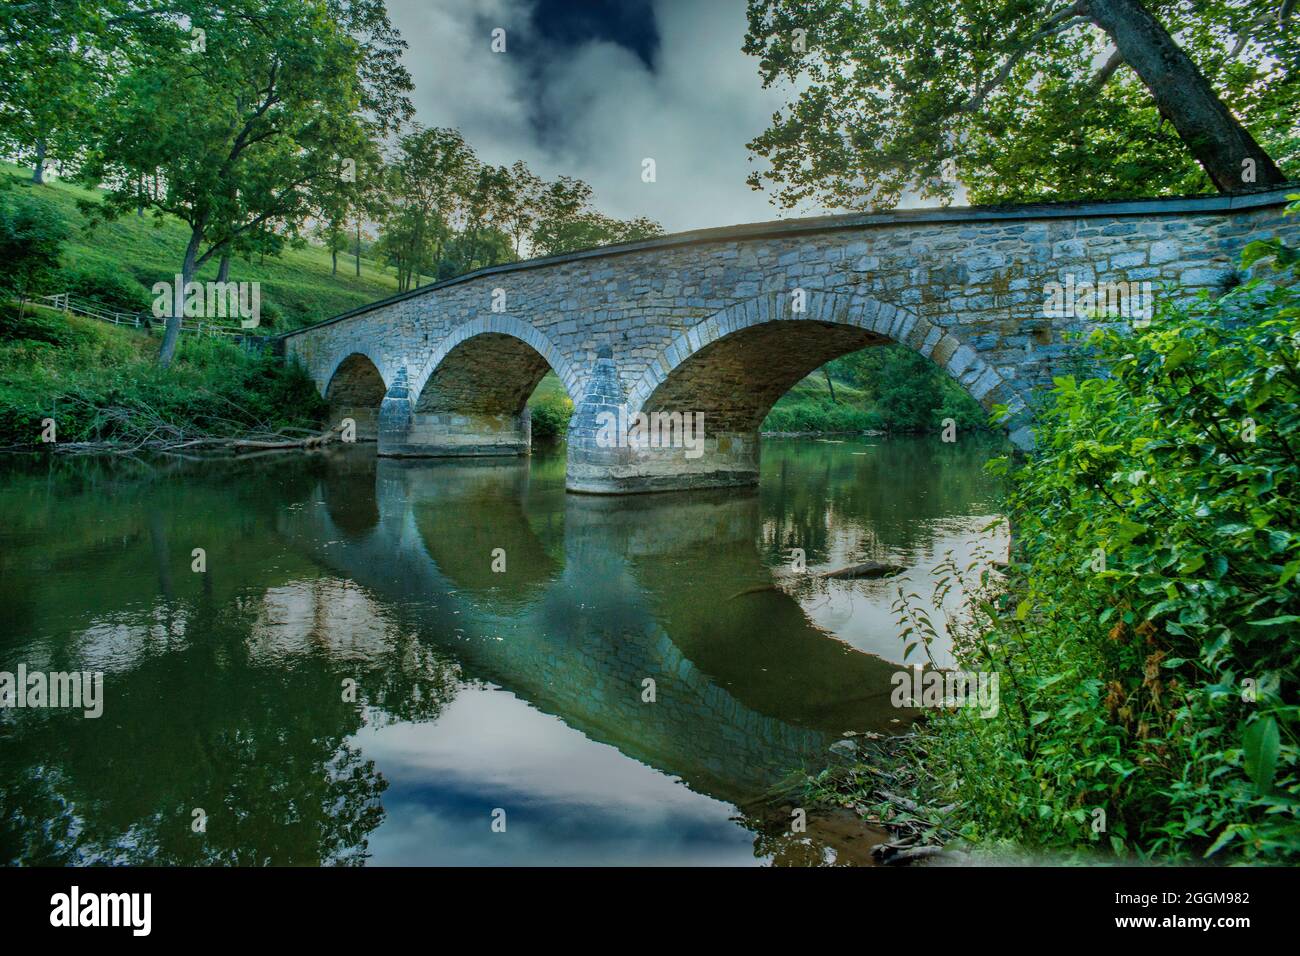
1289 572
1223 840
1261 747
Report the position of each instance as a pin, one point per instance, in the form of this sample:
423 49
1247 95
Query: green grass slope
296 287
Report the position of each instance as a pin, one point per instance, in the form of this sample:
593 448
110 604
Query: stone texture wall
686 322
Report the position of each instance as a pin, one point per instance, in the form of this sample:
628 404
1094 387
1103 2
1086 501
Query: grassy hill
296 287
809 407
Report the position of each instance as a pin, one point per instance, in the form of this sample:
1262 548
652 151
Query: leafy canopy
1016 98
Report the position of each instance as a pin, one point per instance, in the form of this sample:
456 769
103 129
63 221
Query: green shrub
32 233
1148 652
101 383
551 415
907 391
819 415
38 325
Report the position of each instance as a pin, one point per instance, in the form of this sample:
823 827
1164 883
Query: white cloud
597 111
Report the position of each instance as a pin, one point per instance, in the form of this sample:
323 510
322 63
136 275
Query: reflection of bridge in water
597 596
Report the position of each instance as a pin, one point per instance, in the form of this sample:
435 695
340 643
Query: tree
54 62
243 107
489 247
488 203
407 242
427 183
1021 99
347 197
566 222
908 391
524 204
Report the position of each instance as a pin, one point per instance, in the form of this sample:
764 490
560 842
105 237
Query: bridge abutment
718 461
608 454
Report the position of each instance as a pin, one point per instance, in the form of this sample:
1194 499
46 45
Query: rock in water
845 749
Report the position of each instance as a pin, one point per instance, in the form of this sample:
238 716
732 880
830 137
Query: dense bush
38 325
1149 649
101 383
551 414
32 233
908 392
106 285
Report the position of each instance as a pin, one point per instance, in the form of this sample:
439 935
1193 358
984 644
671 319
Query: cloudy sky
589 88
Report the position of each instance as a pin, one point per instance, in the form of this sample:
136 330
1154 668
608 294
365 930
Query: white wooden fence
66 303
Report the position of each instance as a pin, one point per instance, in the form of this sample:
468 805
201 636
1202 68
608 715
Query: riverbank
1143 634
69 380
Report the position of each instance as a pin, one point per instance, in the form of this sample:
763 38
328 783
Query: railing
64 302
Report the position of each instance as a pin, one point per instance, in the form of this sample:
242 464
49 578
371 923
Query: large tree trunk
172 334
1209 130
38 171
223 270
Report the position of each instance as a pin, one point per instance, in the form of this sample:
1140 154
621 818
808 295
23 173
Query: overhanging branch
1060 21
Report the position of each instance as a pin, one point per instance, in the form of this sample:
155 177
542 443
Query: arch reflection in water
477 689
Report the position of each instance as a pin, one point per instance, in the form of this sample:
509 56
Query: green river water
350 680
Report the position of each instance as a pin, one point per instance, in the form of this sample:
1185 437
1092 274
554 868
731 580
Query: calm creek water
479 695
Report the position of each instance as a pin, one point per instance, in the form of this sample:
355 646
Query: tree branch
1059 22
1113 63
1247 31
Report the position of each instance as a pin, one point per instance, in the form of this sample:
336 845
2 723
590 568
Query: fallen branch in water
891 854
872 783
272 441
140 428
313 441
869 570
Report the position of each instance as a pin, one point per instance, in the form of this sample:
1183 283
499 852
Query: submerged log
894 855
868 569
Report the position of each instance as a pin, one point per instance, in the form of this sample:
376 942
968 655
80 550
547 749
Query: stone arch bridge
722 322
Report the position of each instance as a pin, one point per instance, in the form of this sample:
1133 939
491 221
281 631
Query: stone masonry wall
963 287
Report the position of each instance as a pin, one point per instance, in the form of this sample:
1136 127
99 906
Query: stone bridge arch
470 397
501 325
732 367
355 388
824 328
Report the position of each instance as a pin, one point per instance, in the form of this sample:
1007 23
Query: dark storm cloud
564 24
